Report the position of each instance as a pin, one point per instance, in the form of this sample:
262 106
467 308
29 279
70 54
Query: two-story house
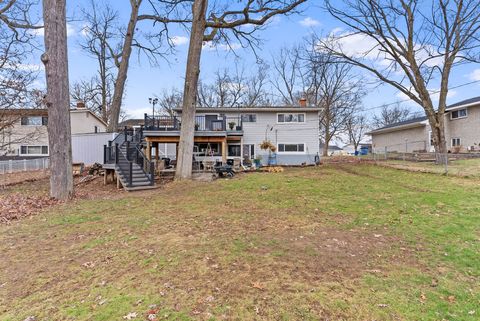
462 131
23 132
237 133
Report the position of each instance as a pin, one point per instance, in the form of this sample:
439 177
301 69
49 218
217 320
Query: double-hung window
249 118
456 142
291 148
460 113
290 118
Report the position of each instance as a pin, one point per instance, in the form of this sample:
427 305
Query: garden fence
24 165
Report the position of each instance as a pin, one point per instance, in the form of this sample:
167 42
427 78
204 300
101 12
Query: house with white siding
23 132
462 131
223 134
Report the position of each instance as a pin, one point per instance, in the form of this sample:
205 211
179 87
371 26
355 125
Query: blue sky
145 81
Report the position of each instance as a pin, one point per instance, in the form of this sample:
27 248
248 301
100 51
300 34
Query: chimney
303 102
80 104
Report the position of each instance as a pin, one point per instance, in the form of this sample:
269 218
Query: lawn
336 242
462 168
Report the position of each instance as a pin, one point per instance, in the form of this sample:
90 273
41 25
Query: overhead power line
409 99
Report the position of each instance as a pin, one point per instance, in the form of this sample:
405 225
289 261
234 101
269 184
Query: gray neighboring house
236 133
462 131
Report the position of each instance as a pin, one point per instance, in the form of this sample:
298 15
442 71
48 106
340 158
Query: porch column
149 150
156 151
241 151
224 151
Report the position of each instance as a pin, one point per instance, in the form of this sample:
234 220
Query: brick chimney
303 102
80 104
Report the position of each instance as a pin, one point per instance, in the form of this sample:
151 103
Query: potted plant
197 126
258 161
272 157
231 125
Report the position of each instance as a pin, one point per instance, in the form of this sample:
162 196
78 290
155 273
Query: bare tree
169 100
324 81
221 22
256 92
57 99
410 46
357 126
101 41
392 114
112 46
17 76
288 80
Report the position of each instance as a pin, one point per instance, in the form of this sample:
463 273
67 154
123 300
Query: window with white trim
456 142
249 118
34 121
290 118
461 113
33 150
291 148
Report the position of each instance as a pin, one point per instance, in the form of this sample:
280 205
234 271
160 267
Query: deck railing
202 123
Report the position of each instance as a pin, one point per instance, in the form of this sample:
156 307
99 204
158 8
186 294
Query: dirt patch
21 177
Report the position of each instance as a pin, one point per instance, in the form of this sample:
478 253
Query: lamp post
153 102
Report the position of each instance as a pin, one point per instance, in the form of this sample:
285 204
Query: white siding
88 148
266 127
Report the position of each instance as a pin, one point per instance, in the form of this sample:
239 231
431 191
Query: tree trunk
437 125
187 132
123 68
325 149
55 59
327 136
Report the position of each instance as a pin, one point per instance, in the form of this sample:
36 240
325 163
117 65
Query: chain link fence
24 165
414 156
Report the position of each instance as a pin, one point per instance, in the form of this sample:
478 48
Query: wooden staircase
140 180
125 156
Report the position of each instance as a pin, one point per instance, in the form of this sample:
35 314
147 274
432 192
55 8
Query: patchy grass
461 168
342 242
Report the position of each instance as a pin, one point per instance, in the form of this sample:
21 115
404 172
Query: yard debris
130 316
382 305
258 285
30 318
16 206
423 298
451 299
88 265
434 283
472 312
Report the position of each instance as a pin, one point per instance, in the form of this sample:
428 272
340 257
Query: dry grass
343 242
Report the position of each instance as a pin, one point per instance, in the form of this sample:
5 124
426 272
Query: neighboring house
332 150
24 131
462 131
236 133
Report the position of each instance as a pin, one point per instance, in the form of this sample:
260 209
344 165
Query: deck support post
149 150
224 151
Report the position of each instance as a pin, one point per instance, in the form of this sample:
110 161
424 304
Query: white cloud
225 47
309 22
179 40
71 31
475 75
